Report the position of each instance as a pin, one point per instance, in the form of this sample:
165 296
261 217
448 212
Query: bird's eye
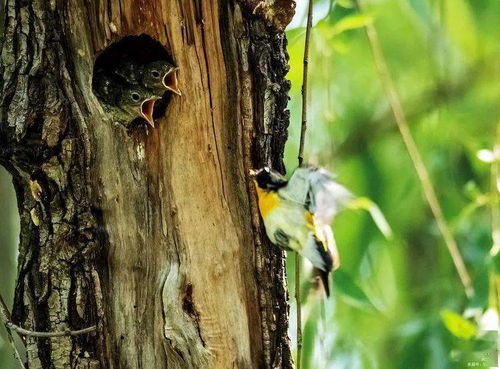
135 96
155 74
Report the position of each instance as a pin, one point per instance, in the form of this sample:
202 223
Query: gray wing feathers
316 189
327 197
297 189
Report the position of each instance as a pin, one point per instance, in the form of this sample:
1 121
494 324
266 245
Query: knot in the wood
134 80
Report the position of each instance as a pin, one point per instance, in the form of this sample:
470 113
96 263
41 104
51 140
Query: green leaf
378 217
348 4
458 325
346 287
351 22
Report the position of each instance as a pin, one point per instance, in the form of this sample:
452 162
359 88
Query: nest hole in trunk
132 54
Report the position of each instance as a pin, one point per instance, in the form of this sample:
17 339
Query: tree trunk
153 235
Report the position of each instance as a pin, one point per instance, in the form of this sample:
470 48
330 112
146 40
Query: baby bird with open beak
137 102
124 102
158 76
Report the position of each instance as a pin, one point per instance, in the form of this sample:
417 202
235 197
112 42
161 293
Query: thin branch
415 155
5 318
303 126
299 310
26 332
303 129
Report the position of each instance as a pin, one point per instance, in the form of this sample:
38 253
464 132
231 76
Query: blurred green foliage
9 231
397 301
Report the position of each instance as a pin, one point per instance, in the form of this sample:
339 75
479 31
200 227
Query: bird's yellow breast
268 200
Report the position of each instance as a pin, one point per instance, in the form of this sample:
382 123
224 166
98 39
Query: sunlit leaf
351 22
458 325
349 4
365 203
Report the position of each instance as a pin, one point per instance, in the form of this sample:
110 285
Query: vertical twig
303 126
303 129
299 310
415 156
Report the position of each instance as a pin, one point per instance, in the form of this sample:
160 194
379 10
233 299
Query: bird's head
138 102
268 179
161 76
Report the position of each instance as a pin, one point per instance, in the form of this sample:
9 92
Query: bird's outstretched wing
297 189
317 190
326 197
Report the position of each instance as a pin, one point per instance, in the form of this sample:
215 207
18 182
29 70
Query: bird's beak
252 172
147 108
170 81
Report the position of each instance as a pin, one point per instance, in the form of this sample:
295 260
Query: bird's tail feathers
321 258
324 276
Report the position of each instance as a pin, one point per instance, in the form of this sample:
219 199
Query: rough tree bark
152 235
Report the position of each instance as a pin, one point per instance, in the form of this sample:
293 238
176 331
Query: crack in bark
189 307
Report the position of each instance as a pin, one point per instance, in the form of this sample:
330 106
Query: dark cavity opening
132 50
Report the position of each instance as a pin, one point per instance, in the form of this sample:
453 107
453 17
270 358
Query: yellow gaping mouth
170 81
147 108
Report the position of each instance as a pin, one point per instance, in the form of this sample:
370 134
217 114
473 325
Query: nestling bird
297 213
125 103
158 76
137 102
